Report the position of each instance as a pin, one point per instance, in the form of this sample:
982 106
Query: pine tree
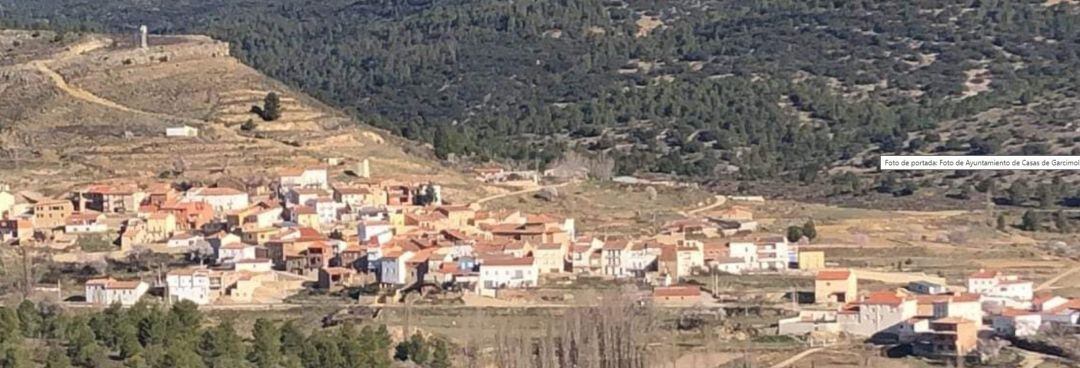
266 344
1001 222
1018 192
29 319
14 356
809 229
1031 221
127 339
292 340
440 358
9 326
271 110
794 233
57 359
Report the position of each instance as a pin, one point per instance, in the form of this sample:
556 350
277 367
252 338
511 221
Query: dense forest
779 89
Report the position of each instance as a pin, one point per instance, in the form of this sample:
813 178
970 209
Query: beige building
52 214
835 286
7 201
811 260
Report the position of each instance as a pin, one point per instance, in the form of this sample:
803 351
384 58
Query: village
305 232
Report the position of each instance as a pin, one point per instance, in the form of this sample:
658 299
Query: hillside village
306 233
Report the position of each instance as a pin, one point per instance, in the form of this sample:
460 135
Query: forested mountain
775 88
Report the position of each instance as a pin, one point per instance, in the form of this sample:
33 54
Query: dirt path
41 66
520 192
1051 282
717 202
797 357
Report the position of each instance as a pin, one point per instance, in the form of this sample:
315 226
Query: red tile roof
507 262
833 275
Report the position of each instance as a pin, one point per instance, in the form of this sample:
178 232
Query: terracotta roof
833 275
677 291
297 171
304 210
338 270
110 283
954 320
616 244
1013 312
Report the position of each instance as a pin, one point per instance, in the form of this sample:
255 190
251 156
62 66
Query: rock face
97 107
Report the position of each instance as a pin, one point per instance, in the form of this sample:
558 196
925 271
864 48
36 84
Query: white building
880 312
189 284
508 272
327 210
312 177
182 131
235 251
1017 322
220 199
382 231
108 291
393 266
185 240
1007 290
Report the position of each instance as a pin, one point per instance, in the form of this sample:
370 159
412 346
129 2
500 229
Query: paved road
1051 282
520 192
797 357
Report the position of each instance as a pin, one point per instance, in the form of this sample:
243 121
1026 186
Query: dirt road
717 202
1051 282
520 192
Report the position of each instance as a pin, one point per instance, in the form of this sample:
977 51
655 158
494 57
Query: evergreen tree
57 359
809 229
266 344
1001 223
14 356
1031 221
127 339
794 233
271 109
9 326
440 357
1061 221
442 143
29 319
1018 192
292 339
221 344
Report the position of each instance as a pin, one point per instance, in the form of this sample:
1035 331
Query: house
304 196
809 321
189 284
181 132
51 214
160 226
1007 290
108 291
884 314
7 202
185 240
507 272
189 215
327 210
309 177
235 251
336 277
948 337
688 294
160 193
221 200
550 258
380 231
690 256
262 219
109 198
392 267
457 216
962 305
1016 322
926 287
811 260
835 286
86 223
305 216
16 229
612 258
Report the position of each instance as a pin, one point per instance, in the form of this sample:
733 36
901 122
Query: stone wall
189 48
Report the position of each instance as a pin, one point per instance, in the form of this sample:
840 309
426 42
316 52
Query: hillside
95 107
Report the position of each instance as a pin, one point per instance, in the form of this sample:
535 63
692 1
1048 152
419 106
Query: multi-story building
884 312
220 199
51 214
189 284
507 272
1008 290
835 286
